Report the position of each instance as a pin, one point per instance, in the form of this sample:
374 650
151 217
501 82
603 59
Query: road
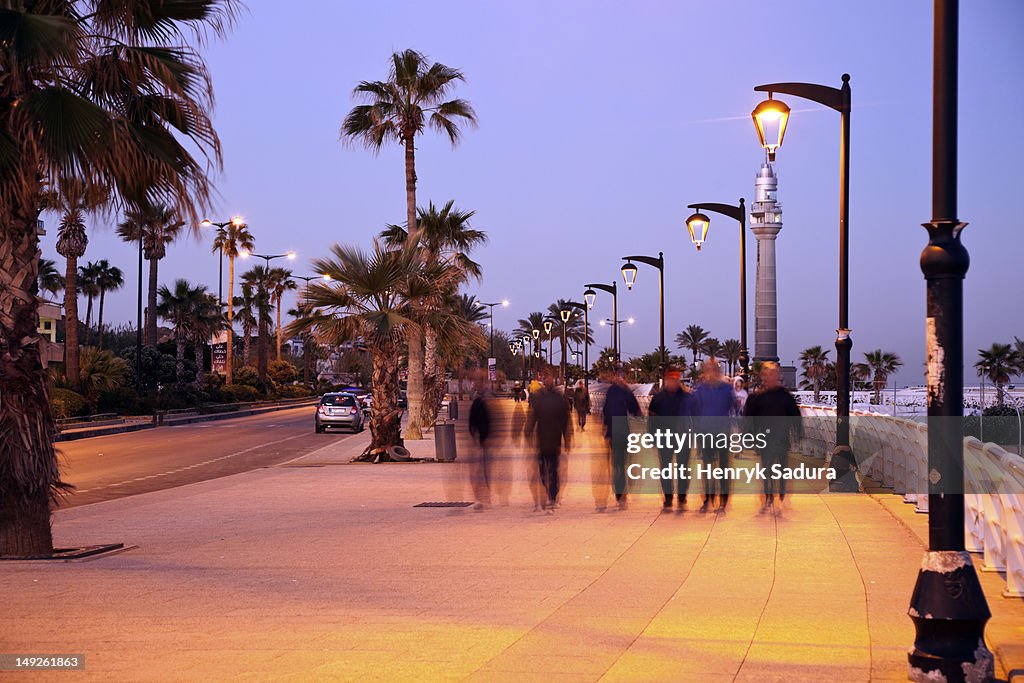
108 467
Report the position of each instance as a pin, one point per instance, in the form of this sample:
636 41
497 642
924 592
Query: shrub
282 372
66 403
239 393
293 391
247 376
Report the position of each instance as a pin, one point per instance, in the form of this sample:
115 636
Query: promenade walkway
322 570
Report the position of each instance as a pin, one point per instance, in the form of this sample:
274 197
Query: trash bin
453 409
444 441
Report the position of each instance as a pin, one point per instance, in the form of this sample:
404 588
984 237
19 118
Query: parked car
338 409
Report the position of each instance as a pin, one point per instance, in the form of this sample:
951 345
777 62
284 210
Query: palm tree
232 240
693 338
1018 355
366 299
814 362
101 371
208 320
179 307
113 94
731 351
278 282
711 347
882 364
258 277
998 364
246 306
397 110
90 289
108 279
860 376
50 279
157 225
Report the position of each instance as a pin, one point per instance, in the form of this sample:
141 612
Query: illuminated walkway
322 570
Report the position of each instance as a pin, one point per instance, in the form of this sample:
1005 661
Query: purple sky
600 122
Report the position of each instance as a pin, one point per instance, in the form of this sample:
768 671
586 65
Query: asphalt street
108 467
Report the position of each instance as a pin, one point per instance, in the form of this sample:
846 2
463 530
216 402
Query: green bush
173 398
124 401
282 372
293 391
66 403
239 393
247 376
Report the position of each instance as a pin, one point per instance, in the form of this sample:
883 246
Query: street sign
492 369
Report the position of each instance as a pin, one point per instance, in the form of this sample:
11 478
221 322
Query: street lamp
948 606
772 112
612 289
697 225
629 275
565 313
504 304
236 221
616 332
305 295
261 357
586 334
548 324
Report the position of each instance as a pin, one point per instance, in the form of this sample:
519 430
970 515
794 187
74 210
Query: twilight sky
599 122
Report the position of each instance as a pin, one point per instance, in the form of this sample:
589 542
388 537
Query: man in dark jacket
480 424
773 401
673 405
619 402
714 403
549 416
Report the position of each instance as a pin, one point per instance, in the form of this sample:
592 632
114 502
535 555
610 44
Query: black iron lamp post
697 225
504 304
770 119
616 334
565 314
948 606
629 275
305 295
237 221
549 324
590 296
527 343
138 332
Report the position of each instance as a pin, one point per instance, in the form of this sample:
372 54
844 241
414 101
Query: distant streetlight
504 304
629 275
614 291
261 356
616 332
697 225
236 221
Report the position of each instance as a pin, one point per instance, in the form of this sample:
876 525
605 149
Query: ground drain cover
459 504
72 554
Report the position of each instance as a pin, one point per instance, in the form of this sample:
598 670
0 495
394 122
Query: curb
122 429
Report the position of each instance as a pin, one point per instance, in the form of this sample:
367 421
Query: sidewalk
323 570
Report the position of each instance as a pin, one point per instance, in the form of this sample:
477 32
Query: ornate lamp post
565 313
586 332
504 304
770 119
629 275
548 325
590 296
948 606
697 225
526 340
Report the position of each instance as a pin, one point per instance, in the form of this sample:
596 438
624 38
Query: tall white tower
765 223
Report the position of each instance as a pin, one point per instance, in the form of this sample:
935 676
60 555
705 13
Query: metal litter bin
453 409
444 442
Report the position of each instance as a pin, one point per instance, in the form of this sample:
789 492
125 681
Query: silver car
339 410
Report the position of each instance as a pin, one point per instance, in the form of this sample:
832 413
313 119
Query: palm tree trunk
279 329
29 474
99 321
179 366
199 362
88 318
71 352
247 347
385 417
151 303
228 367
414 389
261 344
410 188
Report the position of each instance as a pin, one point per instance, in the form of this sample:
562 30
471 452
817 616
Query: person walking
774 412
480 429
714 403
581 402
673 406
549 417
619 404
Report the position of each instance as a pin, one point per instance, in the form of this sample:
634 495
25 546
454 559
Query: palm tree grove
359 341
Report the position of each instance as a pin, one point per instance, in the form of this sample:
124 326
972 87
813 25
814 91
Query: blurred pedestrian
773 401
619 402
481 429
549 417
739 390
673 405
714 403
581 402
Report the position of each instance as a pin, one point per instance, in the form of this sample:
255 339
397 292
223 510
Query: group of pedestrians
543 417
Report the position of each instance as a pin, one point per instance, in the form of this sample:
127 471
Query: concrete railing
894 452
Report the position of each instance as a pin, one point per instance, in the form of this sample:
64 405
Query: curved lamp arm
835 98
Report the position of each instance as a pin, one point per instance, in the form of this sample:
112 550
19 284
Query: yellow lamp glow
770 119
697 225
